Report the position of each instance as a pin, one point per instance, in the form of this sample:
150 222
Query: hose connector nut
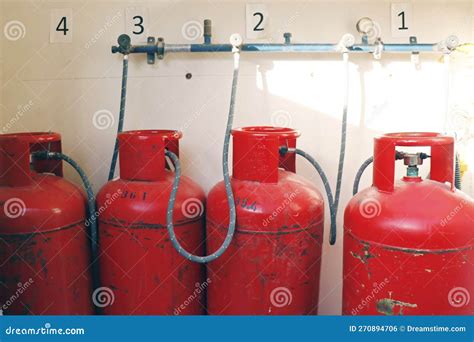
378 49
452 42
124 44
346 42
283 150
449 44
236 42
412 159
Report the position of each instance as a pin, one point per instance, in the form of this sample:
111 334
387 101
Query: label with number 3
137 23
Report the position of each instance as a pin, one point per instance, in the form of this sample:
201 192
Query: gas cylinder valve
412 160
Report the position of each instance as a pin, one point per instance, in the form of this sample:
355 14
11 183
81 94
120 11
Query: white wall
59 87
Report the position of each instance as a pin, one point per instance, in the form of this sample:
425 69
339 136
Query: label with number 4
61 26
256 21
137 23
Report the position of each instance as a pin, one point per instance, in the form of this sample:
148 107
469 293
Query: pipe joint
449 44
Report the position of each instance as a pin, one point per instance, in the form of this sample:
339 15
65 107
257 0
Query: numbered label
61 26
402 20
132 195
246 203
137 23
256 21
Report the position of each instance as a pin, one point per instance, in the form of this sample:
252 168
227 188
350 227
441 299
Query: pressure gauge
365 26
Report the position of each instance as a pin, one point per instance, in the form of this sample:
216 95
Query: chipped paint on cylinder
44 245
138 262
272 266
409 245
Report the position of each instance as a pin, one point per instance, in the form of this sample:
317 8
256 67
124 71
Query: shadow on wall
288 93
301 92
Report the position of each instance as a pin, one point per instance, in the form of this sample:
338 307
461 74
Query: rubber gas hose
342 151
457 167
360 172
333 202
123 97
327 187
457 173
91 222
227 183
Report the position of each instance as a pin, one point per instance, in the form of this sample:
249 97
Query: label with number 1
402 19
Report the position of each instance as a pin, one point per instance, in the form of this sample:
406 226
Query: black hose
91 221
123 98
227 183
457 173
170 226
360 172
342 151
324 178
355 188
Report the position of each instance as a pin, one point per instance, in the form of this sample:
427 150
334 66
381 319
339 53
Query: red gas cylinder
409 245
44 246
141 272
272 266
